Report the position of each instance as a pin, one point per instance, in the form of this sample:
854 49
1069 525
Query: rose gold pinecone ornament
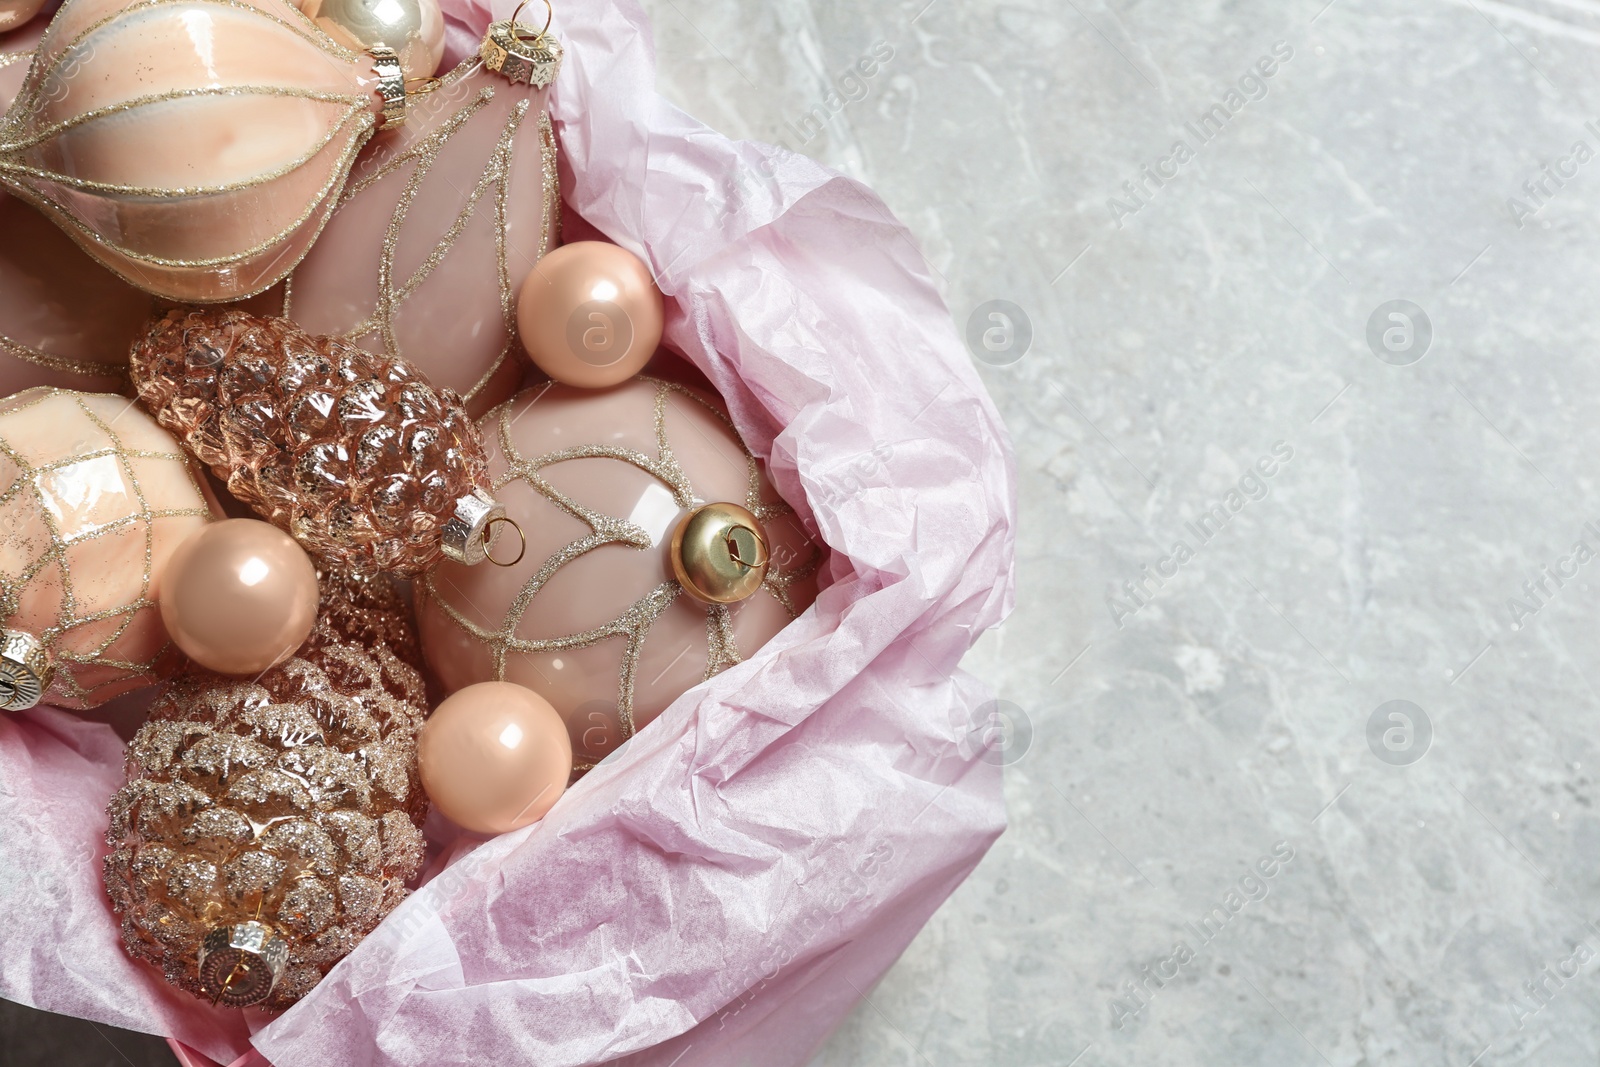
355 455
268 826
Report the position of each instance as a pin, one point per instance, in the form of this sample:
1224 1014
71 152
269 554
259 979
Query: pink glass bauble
96 498
439 225
494 757
590 315
592 618
239 596
195 147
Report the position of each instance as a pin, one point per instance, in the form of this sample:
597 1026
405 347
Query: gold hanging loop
487 537
734 550
550 16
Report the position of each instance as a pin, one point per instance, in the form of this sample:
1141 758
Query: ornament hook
487 531
550 15
733 548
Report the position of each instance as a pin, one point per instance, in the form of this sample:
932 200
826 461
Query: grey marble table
1302 766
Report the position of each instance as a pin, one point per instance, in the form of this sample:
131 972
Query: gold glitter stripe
28 354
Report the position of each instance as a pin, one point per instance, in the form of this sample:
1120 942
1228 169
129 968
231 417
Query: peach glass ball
592 618
239 596
96 500
494 757
590 314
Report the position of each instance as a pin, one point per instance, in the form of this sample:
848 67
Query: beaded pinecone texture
292 800
353 454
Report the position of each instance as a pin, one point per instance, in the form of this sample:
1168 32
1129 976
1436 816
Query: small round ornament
17 13
414 29
590 314
494 757
94 500
239 596
594 618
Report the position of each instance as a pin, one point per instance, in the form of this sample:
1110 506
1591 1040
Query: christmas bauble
494 757
96 498
239 596
193 147
593 618
414 29
440 224
355 455
590 315
268 826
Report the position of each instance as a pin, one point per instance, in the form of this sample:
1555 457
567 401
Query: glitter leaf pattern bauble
592 618
195 147
290 802
353 454
439 225
94 499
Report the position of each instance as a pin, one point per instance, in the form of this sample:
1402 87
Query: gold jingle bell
719 554
240 964
25 670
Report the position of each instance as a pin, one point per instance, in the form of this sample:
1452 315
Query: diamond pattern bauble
268 826
354 454
94 499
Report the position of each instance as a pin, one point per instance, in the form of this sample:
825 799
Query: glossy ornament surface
590 315
14 14
437 229
94 500
257 115
593 618
357 457
494 757
269 825
239 596
414 29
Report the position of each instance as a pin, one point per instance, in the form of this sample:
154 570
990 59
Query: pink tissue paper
729 885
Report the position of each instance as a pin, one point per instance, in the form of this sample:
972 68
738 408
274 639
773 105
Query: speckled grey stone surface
1440 903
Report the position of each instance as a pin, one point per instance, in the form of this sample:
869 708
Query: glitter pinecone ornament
354 454
268 826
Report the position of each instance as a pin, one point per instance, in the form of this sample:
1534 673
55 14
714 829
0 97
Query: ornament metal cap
719 554
241 964
520 55
25 670
466 533
391 85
